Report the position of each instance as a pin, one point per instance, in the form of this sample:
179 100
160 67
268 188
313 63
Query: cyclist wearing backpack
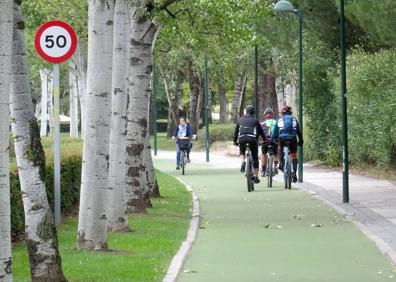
287 129
268 127
247 131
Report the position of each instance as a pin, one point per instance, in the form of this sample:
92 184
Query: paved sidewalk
229 211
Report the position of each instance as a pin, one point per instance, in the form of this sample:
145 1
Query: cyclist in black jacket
247 131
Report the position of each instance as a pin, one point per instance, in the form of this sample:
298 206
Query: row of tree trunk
117 171
117 175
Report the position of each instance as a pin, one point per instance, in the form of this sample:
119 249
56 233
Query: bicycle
184 143
249 170
287 166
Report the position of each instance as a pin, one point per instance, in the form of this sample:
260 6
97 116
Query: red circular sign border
69 29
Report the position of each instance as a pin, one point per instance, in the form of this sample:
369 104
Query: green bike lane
272 234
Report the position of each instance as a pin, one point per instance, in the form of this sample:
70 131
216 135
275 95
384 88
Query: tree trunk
142 40
37 111
73 92
223 101
80 72
173 106
151 179
169 125
194 94
117 217
44 101
240 85
41 239
92 225
5 83
200 105
267 93
50 102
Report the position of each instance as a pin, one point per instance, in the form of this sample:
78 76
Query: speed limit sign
55 41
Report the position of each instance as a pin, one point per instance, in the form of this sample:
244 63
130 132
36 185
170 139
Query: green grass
141 255
163 143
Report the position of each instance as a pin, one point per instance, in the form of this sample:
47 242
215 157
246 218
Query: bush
372 107
322 129
217 132
70 183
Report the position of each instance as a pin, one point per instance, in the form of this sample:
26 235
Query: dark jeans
253 149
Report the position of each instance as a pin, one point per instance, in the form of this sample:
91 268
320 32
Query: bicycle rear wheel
248 174
269 171
286 172
288 175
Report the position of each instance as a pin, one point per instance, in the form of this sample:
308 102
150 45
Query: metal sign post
57 152
55 42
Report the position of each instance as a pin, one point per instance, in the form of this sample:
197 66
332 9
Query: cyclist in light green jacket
268 127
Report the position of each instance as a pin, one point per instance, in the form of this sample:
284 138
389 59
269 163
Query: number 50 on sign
55 41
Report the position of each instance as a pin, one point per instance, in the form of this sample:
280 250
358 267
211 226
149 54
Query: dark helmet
286 110
250 110
268 113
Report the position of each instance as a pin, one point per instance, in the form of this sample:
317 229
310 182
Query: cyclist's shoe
275 171
188 160
256 179
263 173
243 166
177 168
294 177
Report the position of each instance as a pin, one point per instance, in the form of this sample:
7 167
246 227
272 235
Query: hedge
70 182
217 132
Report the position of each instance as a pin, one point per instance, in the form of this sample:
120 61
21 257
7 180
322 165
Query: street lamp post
206 110
256 94
284 6
345 162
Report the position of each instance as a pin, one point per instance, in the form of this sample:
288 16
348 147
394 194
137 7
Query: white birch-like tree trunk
151 179
140 58
78 65
44 98
92 225
240 85
117 216
50 101
37 111
41 239
5 83
73 92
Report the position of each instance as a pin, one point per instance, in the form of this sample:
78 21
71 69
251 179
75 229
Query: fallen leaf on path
190 271
316 225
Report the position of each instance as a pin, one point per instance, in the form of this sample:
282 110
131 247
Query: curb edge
178 260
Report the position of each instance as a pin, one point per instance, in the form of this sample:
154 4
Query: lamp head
284 6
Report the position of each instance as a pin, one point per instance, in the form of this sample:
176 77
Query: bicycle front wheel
182 162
